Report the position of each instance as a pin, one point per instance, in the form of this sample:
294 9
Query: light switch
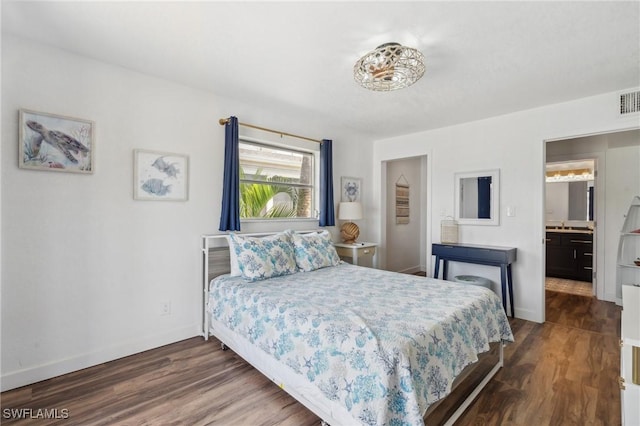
511 211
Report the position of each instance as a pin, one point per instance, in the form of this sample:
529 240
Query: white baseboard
527 314
411 270
35 374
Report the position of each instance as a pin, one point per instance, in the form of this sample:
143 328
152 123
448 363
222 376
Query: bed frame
466 387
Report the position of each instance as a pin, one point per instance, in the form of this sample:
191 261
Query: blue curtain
484 197
327 211
230 215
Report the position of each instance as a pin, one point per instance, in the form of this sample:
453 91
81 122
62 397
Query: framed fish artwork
160 176
55 143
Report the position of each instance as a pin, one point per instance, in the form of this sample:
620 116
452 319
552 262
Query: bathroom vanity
570 254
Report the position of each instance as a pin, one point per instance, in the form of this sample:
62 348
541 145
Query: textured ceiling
483 58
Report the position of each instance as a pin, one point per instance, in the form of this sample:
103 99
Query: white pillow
314 251
264 257
233 260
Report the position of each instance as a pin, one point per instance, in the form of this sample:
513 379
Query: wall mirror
477 197
567 201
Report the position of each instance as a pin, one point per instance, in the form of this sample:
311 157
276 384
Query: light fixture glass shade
350 211
390 66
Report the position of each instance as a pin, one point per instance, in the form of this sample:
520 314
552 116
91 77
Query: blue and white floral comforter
384 345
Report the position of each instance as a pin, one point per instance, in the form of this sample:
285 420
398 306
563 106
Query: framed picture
160 176
351 188
402 203
55 143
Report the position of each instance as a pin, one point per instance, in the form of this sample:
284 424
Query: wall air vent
629 103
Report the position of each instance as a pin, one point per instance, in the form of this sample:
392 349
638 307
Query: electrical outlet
165 308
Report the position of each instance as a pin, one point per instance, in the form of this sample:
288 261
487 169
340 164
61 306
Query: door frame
599 235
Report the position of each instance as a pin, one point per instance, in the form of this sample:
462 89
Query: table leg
445 269
510 283
437 269
503 285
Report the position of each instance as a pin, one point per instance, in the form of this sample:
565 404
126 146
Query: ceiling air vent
629 103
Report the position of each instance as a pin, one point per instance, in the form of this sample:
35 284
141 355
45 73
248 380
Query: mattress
382 345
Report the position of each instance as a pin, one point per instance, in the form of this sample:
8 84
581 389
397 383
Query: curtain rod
224 121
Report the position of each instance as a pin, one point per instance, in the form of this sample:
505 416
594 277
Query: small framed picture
55 143
160 176
351 189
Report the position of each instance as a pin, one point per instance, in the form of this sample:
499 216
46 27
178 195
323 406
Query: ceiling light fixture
389 67
572 175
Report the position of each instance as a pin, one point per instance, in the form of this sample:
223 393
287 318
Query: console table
481 255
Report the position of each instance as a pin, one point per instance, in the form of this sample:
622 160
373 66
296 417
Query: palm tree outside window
276 182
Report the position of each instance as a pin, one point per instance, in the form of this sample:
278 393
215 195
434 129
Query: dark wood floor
563 372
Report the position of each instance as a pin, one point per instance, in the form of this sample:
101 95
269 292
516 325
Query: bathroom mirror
567 201
477 197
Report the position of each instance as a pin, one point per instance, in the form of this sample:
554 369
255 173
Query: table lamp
349 211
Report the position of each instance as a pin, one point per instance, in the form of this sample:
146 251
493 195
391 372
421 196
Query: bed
354 345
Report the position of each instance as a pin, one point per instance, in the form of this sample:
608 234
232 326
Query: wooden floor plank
562 372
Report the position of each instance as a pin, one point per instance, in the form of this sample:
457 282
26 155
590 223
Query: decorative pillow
233 259
314 251
264 257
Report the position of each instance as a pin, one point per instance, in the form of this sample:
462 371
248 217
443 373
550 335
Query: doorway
616 158
570 226
404 217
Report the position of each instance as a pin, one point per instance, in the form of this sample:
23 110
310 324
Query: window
276 182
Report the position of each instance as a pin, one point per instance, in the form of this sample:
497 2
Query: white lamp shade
350 211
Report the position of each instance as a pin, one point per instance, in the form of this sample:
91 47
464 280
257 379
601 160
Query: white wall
84 266
515 144
403 241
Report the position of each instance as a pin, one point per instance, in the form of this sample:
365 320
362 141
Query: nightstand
358 252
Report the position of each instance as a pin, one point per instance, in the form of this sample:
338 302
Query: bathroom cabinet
570 255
